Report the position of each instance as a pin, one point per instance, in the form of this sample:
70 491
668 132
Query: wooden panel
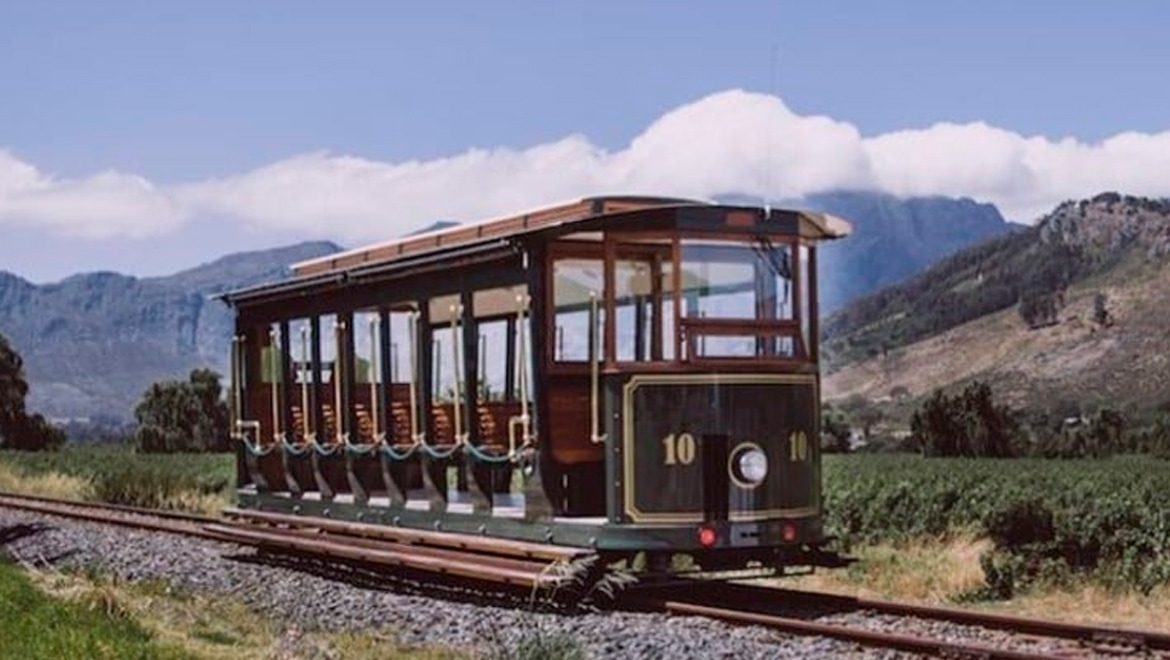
664 480
569 428
493 418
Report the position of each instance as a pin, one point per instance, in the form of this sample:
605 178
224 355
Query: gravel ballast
301 599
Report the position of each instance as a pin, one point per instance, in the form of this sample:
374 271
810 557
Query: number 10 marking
798 447
680 449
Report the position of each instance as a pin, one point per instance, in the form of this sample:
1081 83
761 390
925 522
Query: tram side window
576 283
328 344
446 356
365 347
270 361
298 348
644 309
497 312
401 349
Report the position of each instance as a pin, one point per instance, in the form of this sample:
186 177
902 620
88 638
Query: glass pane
299 348
634 309
741 346
644 307
328 343
493 360
400 348
444 309
270 356
366 347
730 280
575 283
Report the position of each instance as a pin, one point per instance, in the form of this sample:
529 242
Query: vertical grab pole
274 373
338 351
412 326
375 366
234 422
456 364
594 372
523 421
306 373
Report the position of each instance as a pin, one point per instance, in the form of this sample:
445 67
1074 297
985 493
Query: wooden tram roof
491 229
460 238
511 226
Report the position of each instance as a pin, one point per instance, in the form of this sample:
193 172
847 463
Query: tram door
576 475
599 336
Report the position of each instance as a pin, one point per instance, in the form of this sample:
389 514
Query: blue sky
145 137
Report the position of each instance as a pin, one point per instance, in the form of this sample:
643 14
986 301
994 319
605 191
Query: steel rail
440 553
910 643
404 535
758 604
1083 632
144 511
464 565
131 517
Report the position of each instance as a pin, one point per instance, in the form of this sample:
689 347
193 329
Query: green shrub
1106 519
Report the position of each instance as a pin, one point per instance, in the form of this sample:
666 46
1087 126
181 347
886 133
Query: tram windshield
739 299
683 299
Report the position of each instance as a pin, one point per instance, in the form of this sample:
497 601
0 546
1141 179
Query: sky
148 137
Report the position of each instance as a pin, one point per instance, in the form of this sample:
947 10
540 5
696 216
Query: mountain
1073 311
894 238
92 343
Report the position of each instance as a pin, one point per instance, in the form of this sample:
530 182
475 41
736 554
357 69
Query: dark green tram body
674 409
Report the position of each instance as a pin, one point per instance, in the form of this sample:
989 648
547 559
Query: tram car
623 374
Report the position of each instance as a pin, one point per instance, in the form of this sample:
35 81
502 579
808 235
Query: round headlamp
749 465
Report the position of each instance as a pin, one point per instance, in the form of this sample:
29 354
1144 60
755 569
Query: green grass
34 626
198 482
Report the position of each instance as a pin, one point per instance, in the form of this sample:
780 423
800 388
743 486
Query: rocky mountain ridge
1102 264
92 343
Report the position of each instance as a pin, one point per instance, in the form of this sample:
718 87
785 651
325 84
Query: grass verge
184 625
46 484
202 483
947 571
35 626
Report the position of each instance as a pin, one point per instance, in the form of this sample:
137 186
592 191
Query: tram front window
739 299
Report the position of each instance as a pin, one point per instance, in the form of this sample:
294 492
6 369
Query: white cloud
103 205
730 142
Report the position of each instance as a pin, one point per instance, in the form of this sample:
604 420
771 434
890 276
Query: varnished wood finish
463 235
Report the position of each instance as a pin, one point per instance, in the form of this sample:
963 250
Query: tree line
172 416
19 429
971 423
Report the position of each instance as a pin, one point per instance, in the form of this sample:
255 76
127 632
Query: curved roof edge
829 225
587 207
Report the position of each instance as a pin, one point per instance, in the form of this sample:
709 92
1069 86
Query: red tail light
789 532
707 537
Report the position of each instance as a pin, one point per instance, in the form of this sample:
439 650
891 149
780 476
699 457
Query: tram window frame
579 251
496 321
659 345
271 358
773 331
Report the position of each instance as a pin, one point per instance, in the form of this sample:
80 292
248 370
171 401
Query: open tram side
623 374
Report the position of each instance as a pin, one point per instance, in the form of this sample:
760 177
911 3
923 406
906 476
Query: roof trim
496 228
829 226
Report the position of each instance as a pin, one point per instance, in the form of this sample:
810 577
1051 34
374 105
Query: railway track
811 613
175 522
887 624
512 563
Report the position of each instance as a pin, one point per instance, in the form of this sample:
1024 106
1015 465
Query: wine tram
619 374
